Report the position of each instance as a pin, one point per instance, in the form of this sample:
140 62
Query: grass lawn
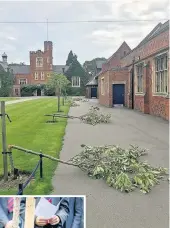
30 130
8 98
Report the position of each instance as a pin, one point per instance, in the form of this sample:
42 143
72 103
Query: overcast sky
87 40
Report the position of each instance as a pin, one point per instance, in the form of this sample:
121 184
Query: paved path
106 207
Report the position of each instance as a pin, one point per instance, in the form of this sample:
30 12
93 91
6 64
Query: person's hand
9 224
40 221
54 220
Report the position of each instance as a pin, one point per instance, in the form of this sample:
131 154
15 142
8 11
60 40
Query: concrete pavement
106 207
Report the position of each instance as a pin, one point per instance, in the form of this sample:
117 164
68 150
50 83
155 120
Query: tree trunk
58 102
58 98
63 99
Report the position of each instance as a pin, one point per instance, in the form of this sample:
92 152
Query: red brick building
38 72
141 78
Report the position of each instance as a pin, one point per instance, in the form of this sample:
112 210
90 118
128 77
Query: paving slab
106 207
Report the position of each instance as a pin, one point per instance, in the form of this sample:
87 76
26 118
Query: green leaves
94 117
58 82
120 168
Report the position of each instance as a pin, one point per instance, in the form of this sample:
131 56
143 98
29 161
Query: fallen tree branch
39 154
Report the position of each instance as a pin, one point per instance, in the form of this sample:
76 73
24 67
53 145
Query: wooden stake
4 144
29 212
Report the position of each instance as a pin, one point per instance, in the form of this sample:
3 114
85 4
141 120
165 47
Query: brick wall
47 63
22 76
110 78
149 102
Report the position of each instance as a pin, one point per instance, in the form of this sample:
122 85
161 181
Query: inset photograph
44 211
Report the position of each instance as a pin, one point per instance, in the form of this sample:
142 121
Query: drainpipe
133 73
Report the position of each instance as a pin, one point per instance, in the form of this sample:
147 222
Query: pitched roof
122 45
92 82
155 32
20 69
59 68
99 63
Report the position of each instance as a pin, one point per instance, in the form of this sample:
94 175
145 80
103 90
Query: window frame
102 86
24 79
78 85
42 78
38 65
139 77
36 74
160 75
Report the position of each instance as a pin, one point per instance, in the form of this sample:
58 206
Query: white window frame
161 74
36 75
139 78
42 76
102 86
38 64
24 79
75 81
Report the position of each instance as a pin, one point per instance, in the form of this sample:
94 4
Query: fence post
11 160
20 188
4 144
41 166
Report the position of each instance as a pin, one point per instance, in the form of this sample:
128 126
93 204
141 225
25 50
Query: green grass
8 98
30 130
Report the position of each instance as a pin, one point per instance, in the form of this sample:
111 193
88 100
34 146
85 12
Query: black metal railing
39 165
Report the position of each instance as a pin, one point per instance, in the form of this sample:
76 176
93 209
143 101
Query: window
39 62
75 81
139 73
161 74
48 60
23 81
36 76
102 86
42 76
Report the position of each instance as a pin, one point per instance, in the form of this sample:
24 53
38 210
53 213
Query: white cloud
87 40
11 38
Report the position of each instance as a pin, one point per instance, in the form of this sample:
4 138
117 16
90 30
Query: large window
36 75
139 74
161 74
23 81
42 76
75 81
39 62
102 86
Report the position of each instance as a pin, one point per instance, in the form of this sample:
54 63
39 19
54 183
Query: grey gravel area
106 207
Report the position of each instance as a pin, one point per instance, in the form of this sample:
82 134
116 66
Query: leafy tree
6 83
70 58
76 69
59 83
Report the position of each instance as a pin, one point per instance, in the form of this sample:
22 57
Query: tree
70 58
59 83
6 83
76 69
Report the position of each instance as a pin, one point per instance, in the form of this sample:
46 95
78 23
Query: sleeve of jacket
22 208
78 212
3 217
63 211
